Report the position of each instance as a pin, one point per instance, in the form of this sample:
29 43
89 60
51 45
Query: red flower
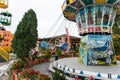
26 66
38 72
77 79
32 71
91 78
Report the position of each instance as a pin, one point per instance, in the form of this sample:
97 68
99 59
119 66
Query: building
6 40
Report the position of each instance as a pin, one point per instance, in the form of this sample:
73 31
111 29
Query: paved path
44 67
4 67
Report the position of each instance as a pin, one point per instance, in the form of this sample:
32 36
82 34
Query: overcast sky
47 12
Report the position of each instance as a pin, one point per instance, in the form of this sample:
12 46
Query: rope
59 28
63 28
54 25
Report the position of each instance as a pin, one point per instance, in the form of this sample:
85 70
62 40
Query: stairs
4 54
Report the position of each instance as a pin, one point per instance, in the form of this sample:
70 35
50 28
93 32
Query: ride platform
74 68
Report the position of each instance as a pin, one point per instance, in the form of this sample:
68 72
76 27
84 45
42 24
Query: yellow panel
70 1
100 1
3 3
4 54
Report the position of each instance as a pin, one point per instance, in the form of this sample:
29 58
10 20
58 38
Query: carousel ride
5 36
95 19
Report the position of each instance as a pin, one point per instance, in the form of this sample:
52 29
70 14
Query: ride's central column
95 19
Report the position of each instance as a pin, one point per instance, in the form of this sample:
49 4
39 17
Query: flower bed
21 69
30 74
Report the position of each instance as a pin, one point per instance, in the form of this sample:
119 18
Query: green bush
48 53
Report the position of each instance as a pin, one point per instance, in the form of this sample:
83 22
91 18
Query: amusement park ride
5 36
95 19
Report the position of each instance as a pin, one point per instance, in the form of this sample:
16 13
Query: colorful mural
97 50
83 50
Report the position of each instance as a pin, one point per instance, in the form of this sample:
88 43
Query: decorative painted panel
78 20
83 17
112 16
83 49
106 16
98 49
90 15
98 14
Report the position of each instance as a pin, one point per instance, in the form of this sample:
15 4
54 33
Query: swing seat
63 46
44 44
103 48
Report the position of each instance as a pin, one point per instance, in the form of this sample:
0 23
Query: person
109 56
56 57
53 49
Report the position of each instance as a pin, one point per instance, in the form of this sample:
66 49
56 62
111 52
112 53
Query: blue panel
78 20
63 46
44 44
83 17
111 1
87 2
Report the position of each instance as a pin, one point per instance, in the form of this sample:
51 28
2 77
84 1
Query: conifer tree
25 37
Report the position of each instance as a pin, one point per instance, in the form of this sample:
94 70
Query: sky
47 12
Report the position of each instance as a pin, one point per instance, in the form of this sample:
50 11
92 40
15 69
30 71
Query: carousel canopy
70 7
